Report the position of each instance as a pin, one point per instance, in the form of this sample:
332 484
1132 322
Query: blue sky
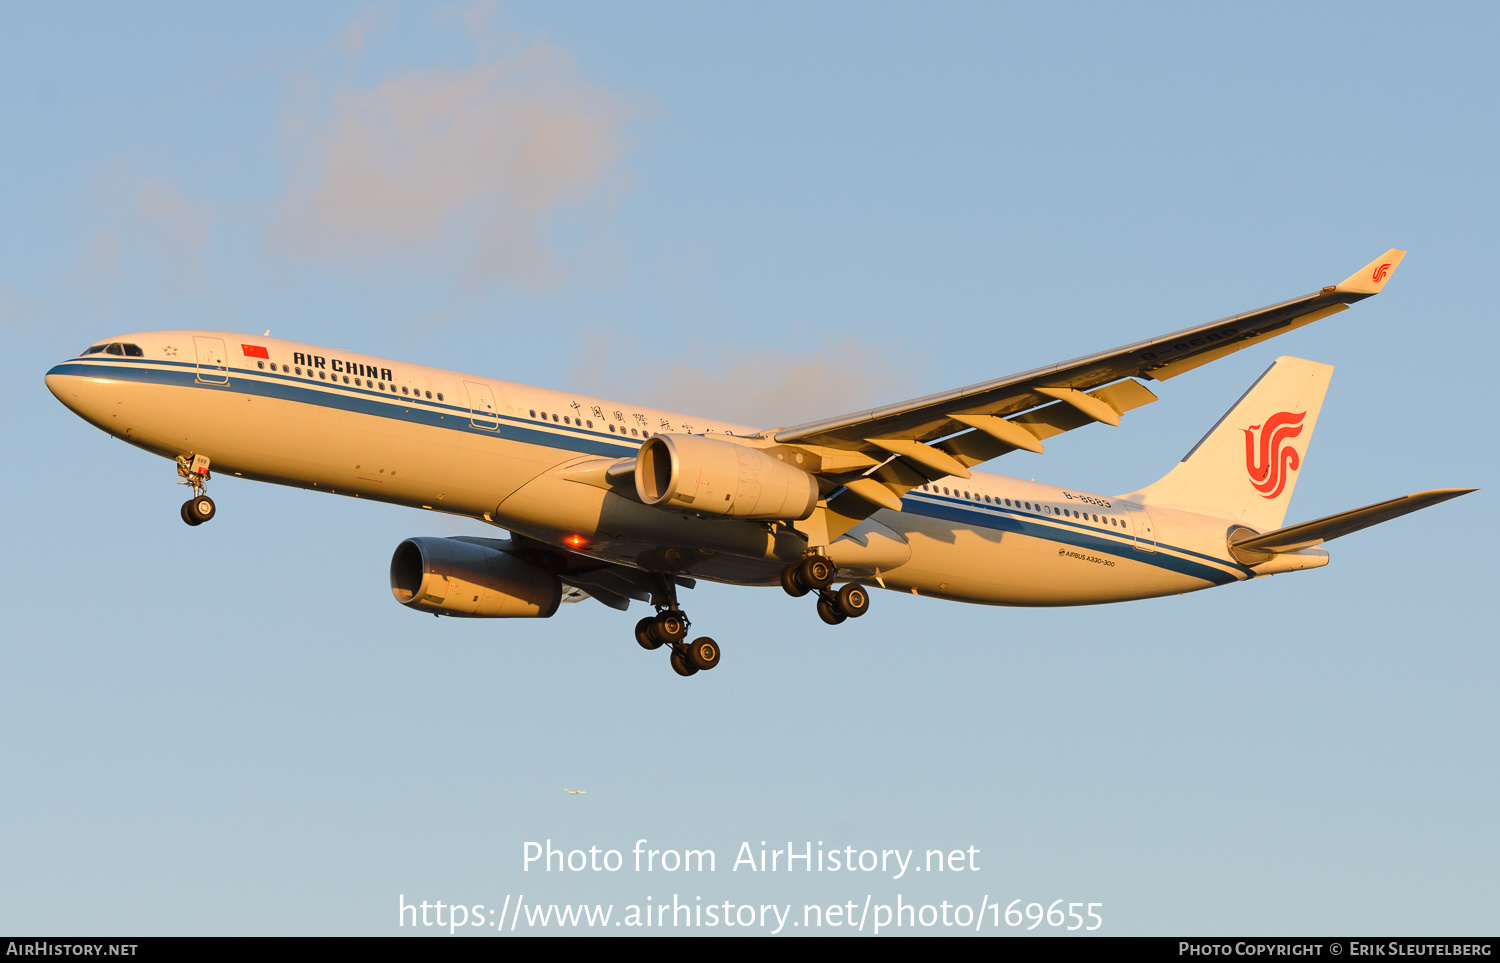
770 214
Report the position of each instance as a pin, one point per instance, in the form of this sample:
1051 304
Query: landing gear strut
816 573
669 626
194 472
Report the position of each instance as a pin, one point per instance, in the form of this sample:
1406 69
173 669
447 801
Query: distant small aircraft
576 792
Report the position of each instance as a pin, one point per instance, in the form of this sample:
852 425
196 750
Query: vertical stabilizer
1247 465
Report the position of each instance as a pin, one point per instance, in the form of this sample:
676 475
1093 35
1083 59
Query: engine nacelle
471 579
691 473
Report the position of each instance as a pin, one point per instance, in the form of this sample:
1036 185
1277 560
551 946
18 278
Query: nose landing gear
194 472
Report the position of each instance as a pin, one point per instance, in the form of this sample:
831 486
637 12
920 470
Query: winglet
1372 277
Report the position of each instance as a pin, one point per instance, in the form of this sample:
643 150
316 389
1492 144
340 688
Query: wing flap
974 447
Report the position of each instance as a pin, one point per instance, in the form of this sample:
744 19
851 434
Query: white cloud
480 158
356 34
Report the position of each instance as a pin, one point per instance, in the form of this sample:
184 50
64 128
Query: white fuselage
504 452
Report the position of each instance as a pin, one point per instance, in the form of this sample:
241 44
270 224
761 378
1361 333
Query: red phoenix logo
1269 463
1381 272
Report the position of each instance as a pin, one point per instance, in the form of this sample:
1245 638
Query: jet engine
704 476
471 579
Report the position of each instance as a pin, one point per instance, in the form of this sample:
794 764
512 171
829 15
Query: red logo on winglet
1270 462
254 351
1381 272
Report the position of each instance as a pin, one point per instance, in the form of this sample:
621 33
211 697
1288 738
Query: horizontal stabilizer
1320 530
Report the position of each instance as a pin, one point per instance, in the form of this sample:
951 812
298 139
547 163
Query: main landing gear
194 472
817 572
669 626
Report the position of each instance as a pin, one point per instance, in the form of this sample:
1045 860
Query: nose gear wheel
198 509
194 472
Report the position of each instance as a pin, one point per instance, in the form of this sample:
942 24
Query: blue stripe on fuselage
1063 532
365 401
593 442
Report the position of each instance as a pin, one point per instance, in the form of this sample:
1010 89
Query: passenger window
440 396
261 365
346 379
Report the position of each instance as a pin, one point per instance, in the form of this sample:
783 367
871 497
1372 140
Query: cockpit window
116 348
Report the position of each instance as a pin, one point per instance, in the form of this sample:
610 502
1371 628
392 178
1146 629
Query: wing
913 442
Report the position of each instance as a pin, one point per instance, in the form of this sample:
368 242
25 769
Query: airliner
618 502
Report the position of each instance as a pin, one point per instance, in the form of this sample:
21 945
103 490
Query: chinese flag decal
254 351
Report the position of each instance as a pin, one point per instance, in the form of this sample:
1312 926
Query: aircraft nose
57 382
83 395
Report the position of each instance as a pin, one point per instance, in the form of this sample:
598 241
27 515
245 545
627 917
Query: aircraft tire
817 572
669 627
187 513
201 507
828 609
680 664
643 634
703 653
853 600
791 582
